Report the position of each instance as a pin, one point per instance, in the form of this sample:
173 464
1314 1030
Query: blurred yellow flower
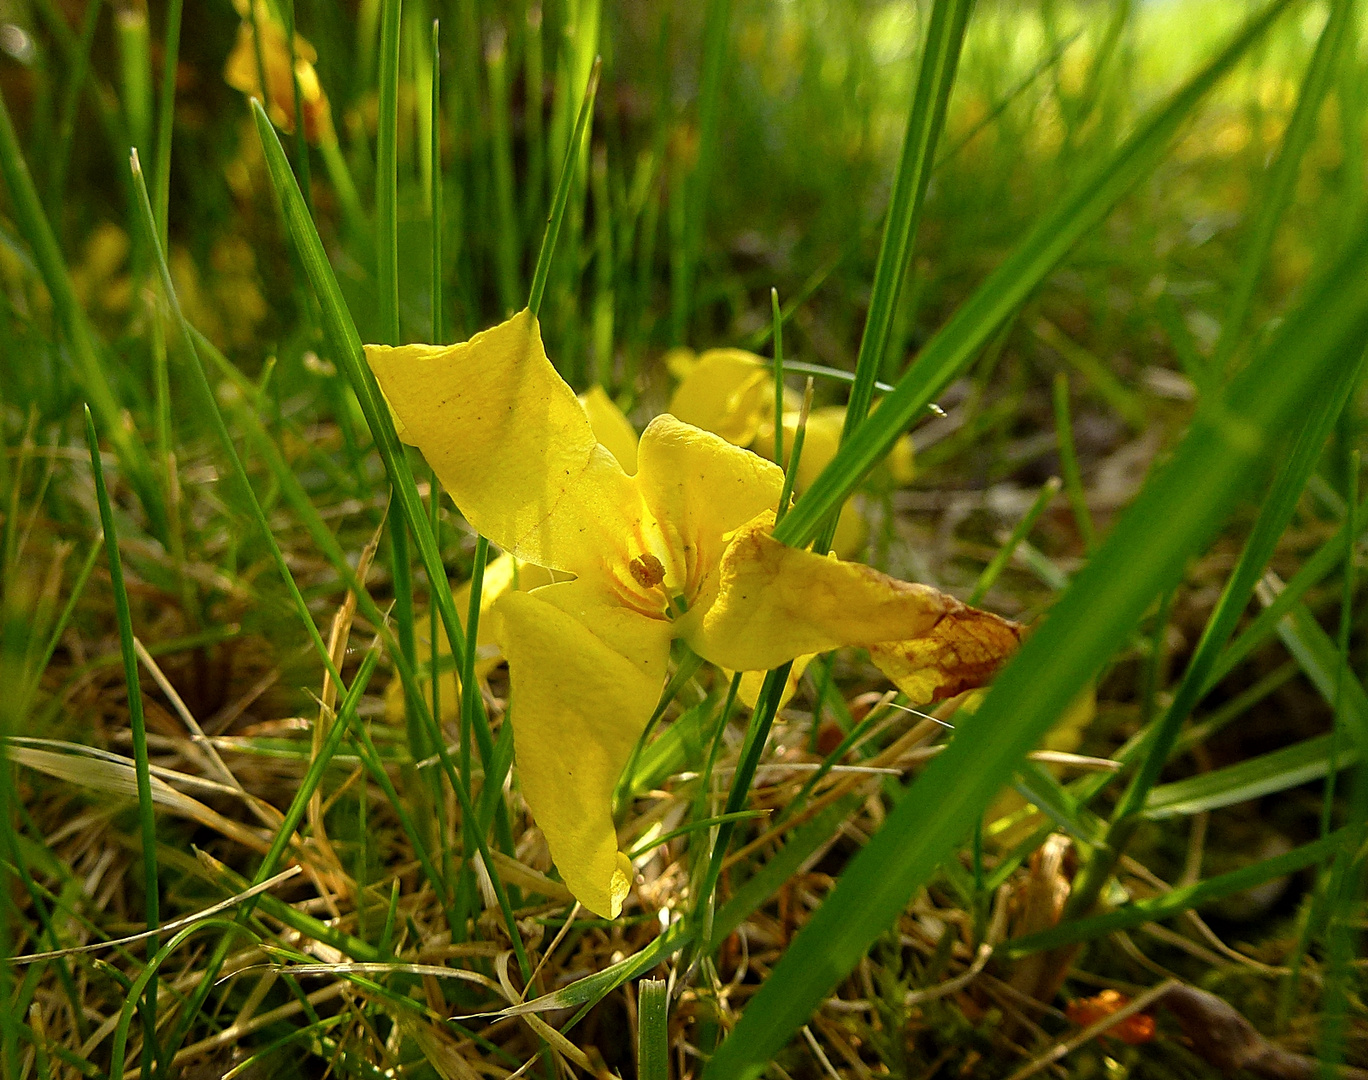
679 549
730 392
244 69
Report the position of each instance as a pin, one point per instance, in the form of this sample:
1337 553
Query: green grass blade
757 734
1265 624
301 138
653 1030
1068 462
1343 676
134 39
387 284
506 244
1318 657
147 817
1020 531
386 175
435 196
166 116
1174 902
1266 774
78 64
925 121
1270 203
345 345
768 880
1175 514
590 990
211 408
12 648
567 176
371 759
534 93
973 324
33 224
313 776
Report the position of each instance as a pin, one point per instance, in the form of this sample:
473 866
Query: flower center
647 570
653 576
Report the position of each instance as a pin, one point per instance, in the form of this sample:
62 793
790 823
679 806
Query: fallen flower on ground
678 550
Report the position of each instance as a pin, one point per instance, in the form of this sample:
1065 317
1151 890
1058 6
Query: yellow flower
243 72
679 549
731 392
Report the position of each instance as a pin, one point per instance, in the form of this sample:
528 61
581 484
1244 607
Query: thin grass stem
1068 463
75 329
1020 531
778 335
147 817
435 207
166 118
567 175
925 121
1278 183
978 318
795 455
506 243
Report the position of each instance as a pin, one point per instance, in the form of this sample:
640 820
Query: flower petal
510 443
752 682
698 488
612 429
727 391
777 602
963 650
586 677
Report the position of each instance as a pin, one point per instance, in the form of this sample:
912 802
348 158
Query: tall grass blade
653 1030
925 121
506 244
166 116
34 226
1278 770
387 279
1019 532
134 39
1270 203
1173 517
211 408
147 817
1174 902
1068 462
973 324
567 175
345 347
435 199
387 176
13 632
1274 515
301 137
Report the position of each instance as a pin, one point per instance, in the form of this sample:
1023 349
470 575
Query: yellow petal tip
620 885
